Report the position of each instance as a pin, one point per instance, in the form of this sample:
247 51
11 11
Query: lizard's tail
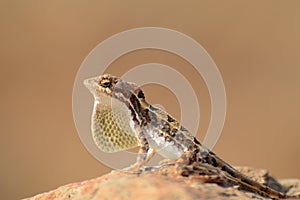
204 156
243 181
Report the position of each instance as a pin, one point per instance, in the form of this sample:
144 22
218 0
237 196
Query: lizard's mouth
90 84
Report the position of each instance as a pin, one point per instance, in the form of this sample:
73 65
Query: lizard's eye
105 83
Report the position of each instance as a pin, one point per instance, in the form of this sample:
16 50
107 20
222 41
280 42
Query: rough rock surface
161 184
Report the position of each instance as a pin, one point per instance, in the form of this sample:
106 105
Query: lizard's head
111 86
101 85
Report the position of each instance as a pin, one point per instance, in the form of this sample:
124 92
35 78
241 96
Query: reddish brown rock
162 184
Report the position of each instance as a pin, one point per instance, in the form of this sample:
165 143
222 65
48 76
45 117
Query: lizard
123 119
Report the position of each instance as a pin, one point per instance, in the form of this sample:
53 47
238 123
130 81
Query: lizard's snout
90 84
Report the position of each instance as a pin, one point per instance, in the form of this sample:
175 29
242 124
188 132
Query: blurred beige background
255 44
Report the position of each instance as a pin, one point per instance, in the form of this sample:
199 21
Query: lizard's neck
136 104
141 109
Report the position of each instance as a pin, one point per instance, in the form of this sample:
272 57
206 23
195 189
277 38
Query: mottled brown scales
173 132
167 138
130 121
141 95
170 119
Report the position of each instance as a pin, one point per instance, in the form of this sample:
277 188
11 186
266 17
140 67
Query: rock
161 184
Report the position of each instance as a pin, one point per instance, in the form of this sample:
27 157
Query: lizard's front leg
145 153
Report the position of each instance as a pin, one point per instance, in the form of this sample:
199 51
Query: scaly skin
122 119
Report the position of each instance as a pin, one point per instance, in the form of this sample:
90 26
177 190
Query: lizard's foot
203 173
167 162
125 171
136 169
158 167
132 169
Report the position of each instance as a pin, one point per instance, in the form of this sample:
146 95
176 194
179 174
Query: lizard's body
122 119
